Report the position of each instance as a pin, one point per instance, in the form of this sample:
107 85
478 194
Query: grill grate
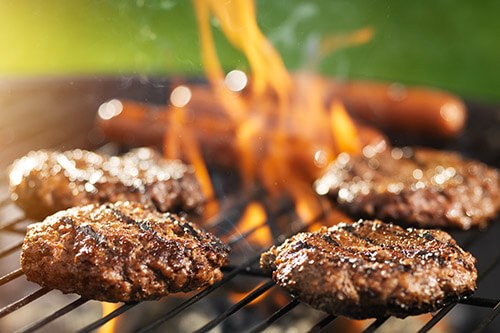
231 272
12 228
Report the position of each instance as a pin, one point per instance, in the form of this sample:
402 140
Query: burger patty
121 252
419 187
44 182
372 269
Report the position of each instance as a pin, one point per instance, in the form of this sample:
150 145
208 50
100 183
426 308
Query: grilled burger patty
121 252
420 187
44 182
372 269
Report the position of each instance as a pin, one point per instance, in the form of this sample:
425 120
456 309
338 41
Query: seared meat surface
372 269
121 252
44 182
420 187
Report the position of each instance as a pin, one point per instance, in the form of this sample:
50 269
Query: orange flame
344 130
110 326
236 296
252 219
180 139
275 117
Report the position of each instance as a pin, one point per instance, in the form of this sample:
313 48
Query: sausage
141 124
136 124
414 111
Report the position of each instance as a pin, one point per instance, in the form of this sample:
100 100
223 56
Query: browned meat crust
121 252
420 187
372 269
44 182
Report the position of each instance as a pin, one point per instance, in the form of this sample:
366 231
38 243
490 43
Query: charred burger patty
420 187
44 182
372 269
121 252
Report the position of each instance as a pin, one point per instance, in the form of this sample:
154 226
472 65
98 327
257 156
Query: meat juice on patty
372 269
414 186
44 182
121 252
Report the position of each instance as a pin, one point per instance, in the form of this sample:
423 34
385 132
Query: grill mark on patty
423 254
190 230
142 225
86 230
145 227
422 202
89 231
106 257
329 239
340 271
54 181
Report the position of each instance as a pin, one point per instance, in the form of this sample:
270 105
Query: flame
344 130
251 220
334 42
274 297
236 296
180 141
275 116
110 326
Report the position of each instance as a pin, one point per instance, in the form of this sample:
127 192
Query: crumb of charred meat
414 186
44 182
373 269
121 252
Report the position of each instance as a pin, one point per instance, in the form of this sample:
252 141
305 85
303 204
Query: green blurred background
443 43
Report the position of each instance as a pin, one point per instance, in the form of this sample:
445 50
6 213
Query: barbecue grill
60 114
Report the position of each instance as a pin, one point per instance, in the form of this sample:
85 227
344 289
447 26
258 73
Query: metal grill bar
124 308
104 320
444 311
247 271
59 313
11 276
246 300
12 229
375 325
12 223
9 249
473 301
480 301
23 301
281 211
183 306
437 317
275 316
210 289
487 321
322 323
174 311
235 208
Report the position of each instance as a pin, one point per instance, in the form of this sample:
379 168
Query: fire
252 219
343 127
287 130
235 296
110 326
273 297
178 140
